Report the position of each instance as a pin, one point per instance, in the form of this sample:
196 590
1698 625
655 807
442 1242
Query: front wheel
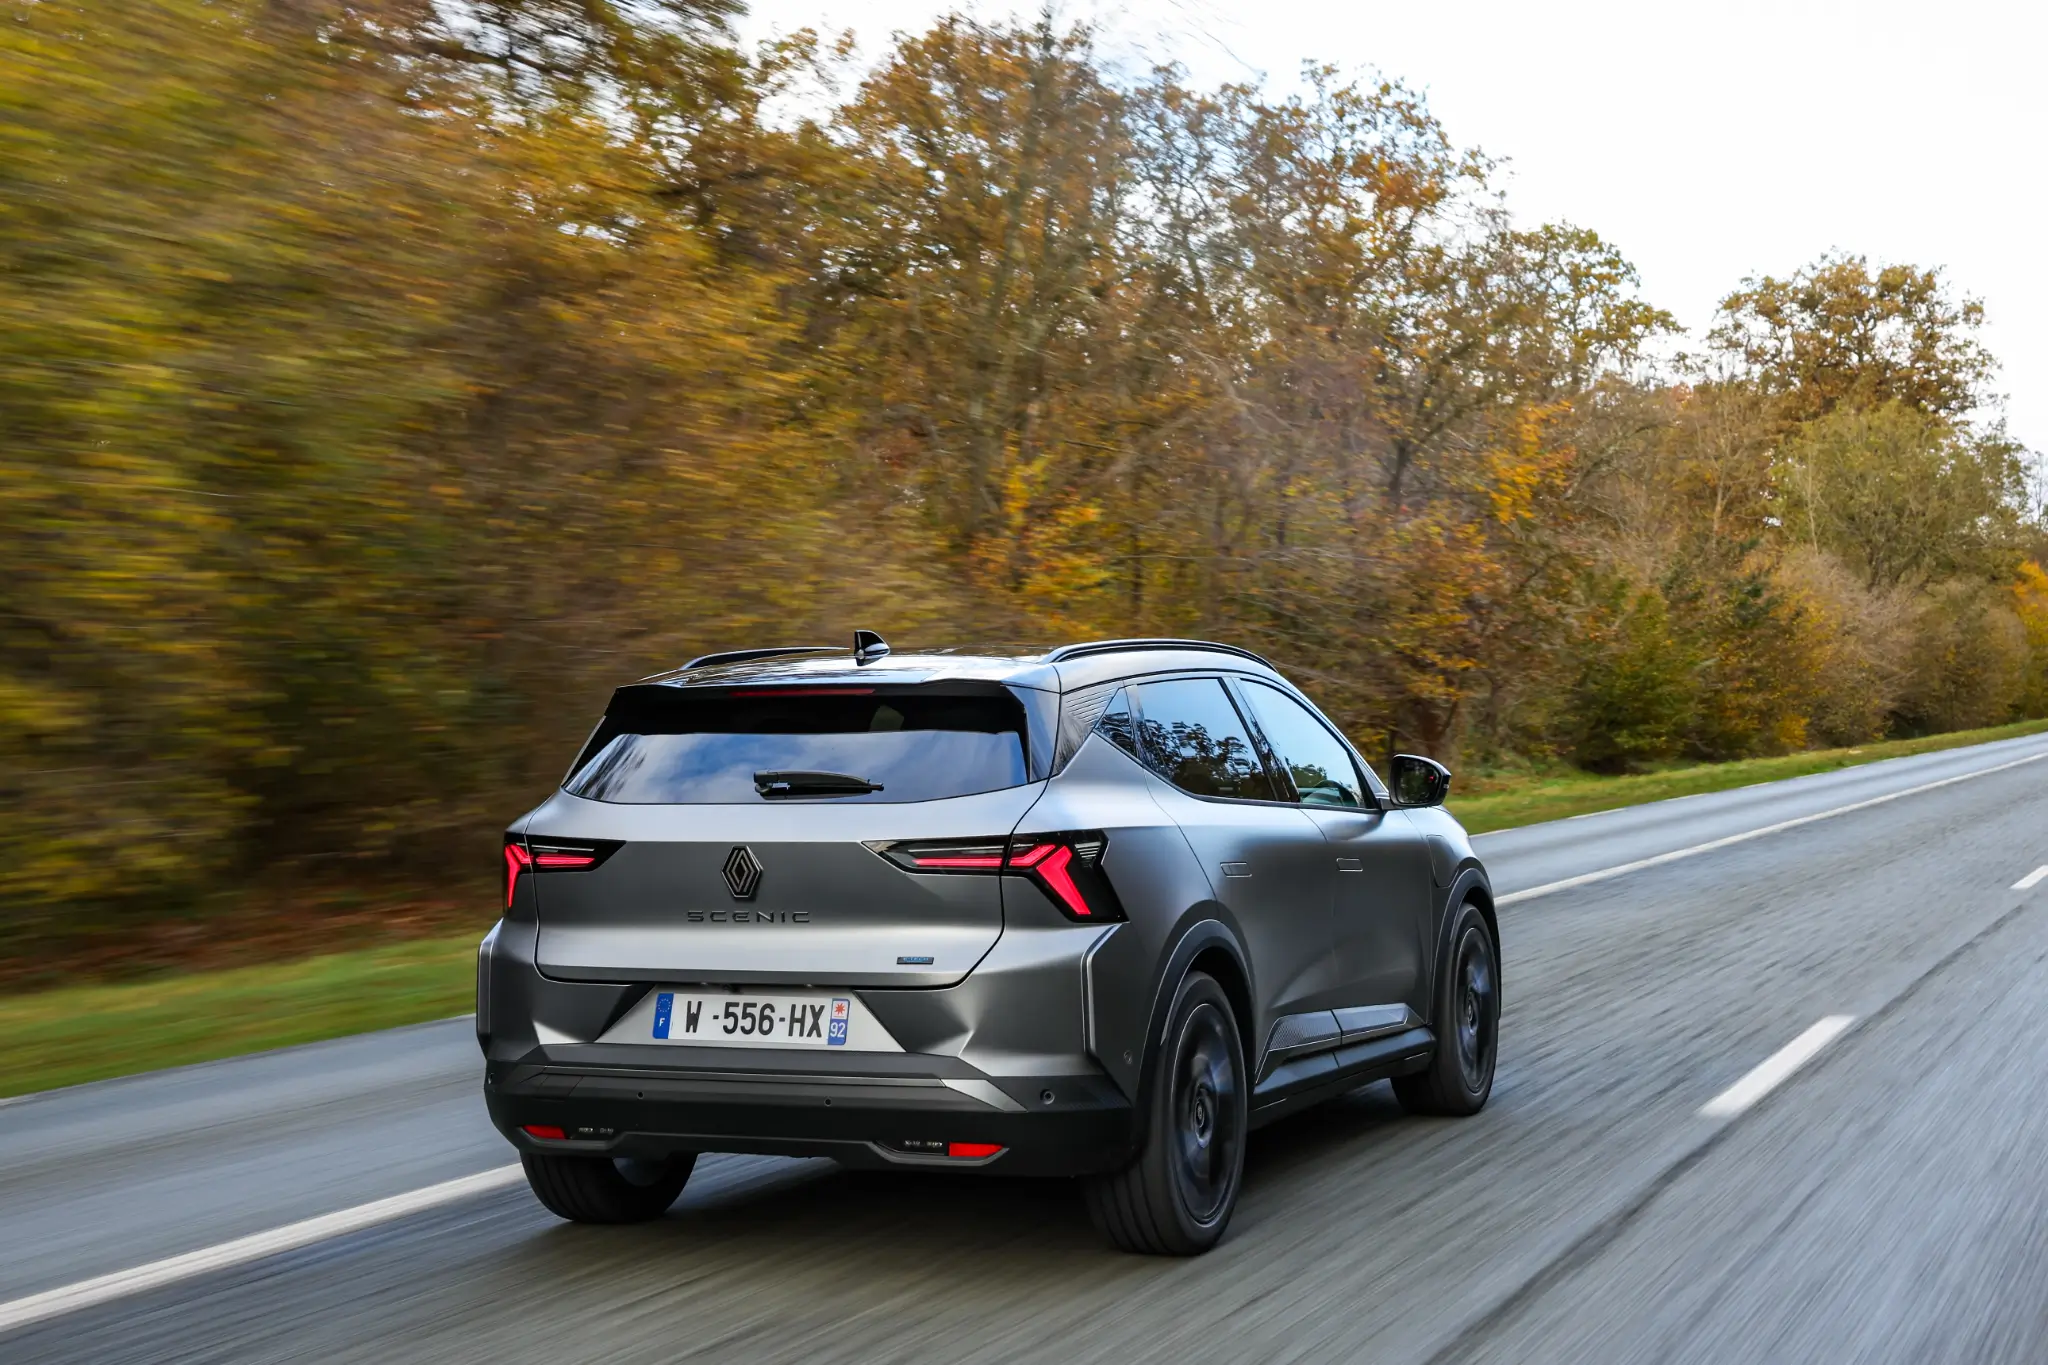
1460 1076
1177 1197
602 1189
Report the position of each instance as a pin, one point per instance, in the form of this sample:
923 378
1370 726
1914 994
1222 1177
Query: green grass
88 1033
1504 802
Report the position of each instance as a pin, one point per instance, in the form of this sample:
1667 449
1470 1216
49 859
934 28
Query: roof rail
734 656
1065 652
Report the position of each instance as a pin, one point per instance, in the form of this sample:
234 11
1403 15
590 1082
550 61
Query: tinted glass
697 750
1116 725
1194 738
1320 764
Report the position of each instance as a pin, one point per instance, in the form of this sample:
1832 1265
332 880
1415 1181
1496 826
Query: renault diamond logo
742 873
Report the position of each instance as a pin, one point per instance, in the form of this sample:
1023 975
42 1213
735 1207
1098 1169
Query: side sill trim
1322 1074
1319 1031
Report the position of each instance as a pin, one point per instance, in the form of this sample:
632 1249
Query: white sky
1708 142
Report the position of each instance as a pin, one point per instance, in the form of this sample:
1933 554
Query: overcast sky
1709 142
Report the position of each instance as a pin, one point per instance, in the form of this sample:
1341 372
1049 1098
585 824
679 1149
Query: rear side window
661 746
1318 761
1117 726
1191 735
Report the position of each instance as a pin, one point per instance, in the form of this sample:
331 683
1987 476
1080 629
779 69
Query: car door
1384 889
1265 858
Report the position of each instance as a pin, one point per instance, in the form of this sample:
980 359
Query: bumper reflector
543 1130
972 1151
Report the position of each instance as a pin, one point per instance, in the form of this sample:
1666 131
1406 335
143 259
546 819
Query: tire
599 1189
1460 1074
1177 1196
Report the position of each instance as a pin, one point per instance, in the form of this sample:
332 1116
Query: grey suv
1096 911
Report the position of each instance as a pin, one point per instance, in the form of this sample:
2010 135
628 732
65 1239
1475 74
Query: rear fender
1158 880
526 1009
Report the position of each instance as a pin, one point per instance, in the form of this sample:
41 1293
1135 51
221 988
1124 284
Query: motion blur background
382 381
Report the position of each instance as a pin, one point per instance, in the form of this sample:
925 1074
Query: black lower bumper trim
1087 1126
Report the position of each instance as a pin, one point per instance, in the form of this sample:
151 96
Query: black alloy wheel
1476 1007
1176 1198
1459 1077
1209 1112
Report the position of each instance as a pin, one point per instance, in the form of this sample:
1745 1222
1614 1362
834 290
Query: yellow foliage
377 395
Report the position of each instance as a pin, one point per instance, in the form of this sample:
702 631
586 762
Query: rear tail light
1067 867
517 860
541 854
952 1151
969 855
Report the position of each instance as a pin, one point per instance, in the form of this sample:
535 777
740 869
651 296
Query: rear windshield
658 746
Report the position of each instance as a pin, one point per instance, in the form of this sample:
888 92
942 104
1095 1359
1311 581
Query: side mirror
1419 781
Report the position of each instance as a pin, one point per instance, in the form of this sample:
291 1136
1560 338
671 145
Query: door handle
1350 865
1237 869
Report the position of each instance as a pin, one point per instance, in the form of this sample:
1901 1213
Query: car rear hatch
730 835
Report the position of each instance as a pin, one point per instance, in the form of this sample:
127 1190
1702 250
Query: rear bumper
864 1110
1003 1057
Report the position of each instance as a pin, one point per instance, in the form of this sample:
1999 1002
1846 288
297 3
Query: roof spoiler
1080 651
734 656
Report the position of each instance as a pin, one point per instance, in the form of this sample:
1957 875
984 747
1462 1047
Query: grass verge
1502 802
88 1033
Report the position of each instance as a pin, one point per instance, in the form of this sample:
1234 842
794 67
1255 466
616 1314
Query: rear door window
1191 735
1318 761
660 745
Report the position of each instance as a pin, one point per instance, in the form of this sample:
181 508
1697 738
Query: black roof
1055 669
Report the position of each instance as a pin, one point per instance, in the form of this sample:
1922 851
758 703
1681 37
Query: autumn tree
1904 496
1840 334
975 250
384 380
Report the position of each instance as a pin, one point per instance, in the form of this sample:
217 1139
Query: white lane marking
71 1297
1586 879
2031 880
1770 1073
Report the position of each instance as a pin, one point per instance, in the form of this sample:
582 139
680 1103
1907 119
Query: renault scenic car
1093 912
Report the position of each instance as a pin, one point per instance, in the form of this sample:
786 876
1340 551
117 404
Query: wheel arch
1473 886
1470 884
1228 972
1210 946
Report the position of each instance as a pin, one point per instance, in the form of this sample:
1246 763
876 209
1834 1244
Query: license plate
776 1020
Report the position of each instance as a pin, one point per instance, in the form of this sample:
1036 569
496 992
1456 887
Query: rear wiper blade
774 784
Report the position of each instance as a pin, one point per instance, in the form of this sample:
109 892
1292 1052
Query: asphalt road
1884 1203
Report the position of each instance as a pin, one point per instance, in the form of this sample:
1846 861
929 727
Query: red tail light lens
517 860
541 854
1052 870
1067 867
977 855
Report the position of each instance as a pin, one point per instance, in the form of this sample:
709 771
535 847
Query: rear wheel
602 1189
1460 1076
1176 1198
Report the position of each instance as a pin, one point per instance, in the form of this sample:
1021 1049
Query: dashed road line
1773 1070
